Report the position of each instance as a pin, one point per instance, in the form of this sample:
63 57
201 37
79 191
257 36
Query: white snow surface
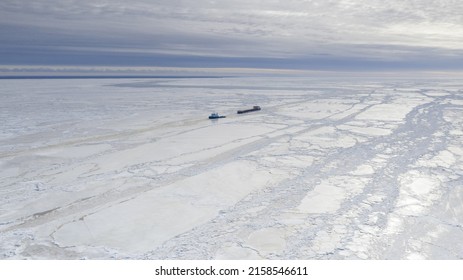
328 169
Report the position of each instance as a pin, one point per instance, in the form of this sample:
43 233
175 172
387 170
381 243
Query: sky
357 35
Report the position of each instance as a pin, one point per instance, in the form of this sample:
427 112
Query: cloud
269 32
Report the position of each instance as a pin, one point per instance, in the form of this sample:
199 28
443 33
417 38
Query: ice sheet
328 169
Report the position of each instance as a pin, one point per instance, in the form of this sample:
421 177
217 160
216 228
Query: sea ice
328 169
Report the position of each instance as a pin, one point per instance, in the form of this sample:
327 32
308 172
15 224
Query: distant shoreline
109 77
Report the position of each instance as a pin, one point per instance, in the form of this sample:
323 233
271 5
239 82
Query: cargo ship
255 108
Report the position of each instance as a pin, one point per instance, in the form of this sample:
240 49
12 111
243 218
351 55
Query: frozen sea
330 168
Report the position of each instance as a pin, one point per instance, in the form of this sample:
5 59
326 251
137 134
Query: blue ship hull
216 117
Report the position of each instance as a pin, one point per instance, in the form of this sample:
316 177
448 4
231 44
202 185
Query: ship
216 116
255 108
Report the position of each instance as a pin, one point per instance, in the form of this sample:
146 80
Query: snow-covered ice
328 169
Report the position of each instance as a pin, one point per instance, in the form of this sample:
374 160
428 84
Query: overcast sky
287 34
